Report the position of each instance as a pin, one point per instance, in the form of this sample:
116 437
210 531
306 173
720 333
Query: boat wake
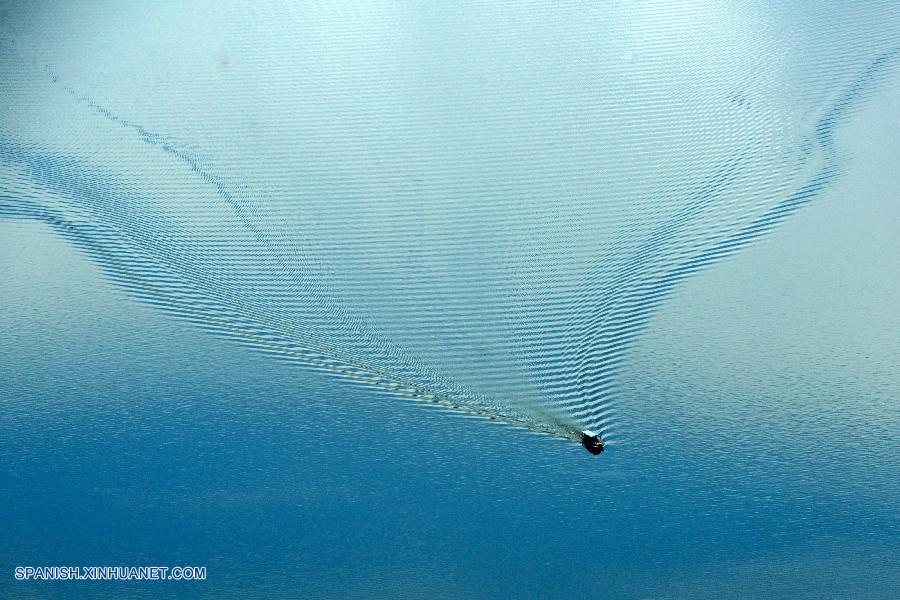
495 253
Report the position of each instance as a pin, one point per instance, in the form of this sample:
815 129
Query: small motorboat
592 442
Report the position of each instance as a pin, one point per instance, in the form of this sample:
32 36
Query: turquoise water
243 249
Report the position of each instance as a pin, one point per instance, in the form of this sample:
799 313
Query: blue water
270 273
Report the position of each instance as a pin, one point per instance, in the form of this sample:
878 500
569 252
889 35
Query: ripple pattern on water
475 207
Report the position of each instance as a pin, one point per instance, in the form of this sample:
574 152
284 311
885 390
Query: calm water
241 250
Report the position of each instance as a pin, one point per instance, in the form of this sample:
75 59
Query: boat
592 442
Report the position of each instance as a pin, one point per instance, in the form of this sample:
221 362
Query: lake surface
262 267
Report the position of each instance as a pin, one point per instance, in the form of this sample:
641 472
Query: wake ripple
460 259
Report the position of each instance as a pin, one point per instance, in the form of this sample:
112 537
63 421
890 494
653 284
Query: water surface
242 248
